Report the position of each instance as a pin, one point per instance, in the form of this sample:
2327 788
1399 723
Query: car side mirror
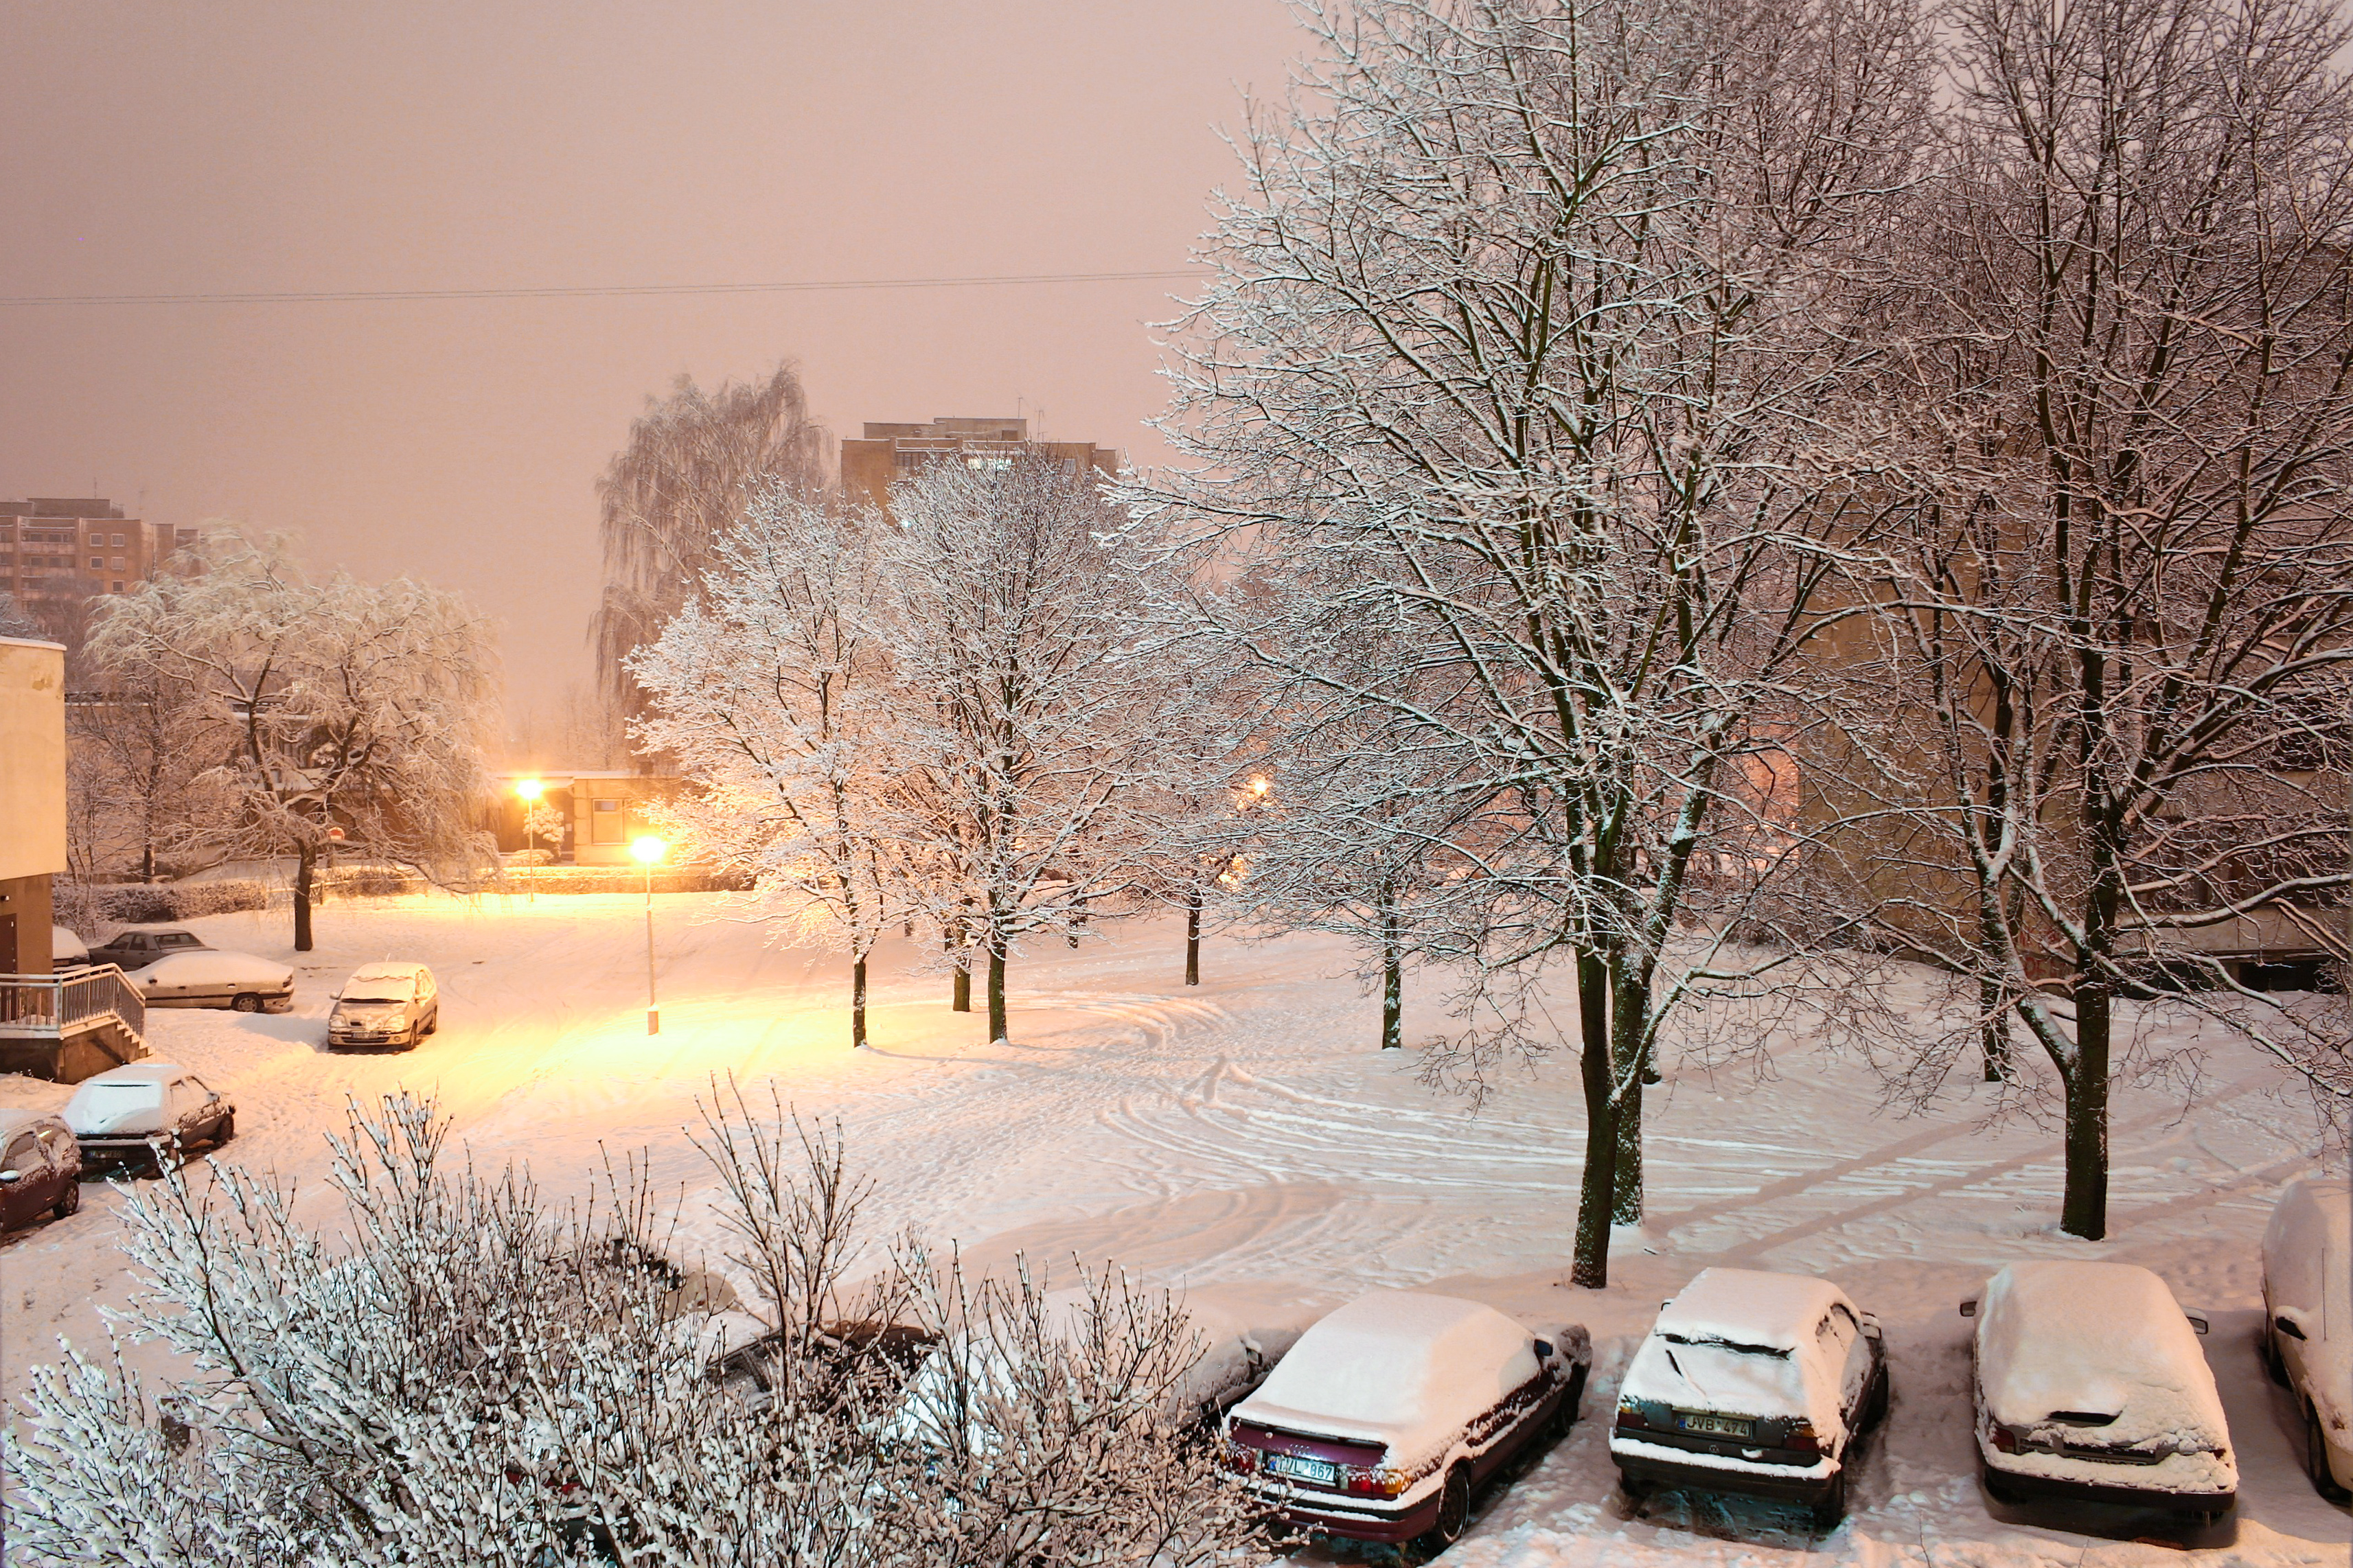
1969 1308
2197 1322
2288 1326
10 1178
1871 1332
214 1099
1544 1349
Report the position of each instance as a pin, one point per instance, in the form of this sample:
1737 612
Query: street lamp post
529 791
648 850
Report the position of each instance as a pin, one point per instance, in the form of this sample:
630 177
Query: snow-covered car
1388 1414
40 1168
136 947
237 980
1752 1382
2308 1321
67 951
131 1111
2090 1385
386 1005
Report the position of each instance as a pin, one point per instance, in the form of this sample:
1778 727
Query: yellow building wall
32 759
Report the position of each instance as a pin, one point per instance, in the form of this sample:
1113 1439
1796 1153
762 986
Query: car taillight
1378 1481
2004 1439
1630 1415
1802 1438
1241 1460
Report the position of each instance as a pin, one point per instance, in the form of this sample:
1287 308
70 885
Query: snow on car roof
211 964
1403 1367
386 971
14 1121
2103 1338
149 1071
1749 1306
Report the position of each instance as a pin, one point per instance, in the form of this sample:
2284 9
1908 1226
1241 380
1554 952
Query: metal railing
50 1006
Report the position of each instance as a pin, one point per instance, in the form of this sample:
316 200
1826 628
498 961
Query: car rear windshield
125 1096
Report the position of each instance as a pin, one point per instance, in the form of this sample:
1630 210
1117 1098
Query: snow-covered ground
1243 1141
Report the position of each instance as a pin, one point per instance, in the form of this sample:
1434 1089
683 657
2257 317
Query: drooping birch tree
1527 344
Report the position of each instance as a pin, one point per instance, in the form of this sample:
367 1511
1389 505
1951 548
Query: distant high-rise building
869 466
57 553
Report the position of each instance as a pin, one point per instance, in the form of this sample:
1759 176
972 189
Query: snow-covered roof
208 963
14 1121
1401 1367
386 971
1749 1306
148 1071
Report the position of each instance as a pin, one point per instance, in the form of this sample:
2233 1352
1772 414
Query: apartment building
57 553
868 466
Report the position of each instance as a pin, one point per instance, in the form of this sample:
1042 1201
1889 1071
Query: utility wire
329 295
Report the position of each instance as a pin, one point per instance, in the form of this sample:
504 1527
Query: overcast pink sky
246 147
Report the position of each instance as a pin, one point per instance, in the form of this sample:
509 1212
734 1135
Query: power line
330 296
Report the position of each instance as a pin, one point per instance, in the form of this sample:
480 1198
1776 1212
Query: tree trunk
1993 1032
1626 1203
305 859
1596 1190
2084 1210
1193 936
858 1002
960 994
997 1028
1392 978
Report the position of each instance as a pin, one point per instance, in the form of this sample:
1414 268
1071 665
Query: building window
95 564
117 587
120 541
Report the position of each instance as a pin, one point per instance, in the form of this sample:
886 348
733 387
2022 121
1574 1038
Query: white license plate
1715 1425
1321 1471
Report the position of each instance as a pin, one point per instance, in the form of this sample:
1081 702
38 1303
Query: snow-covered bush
463 1372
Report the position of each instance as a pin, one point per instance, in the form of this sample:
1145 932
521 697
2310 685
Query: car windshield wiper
1715 1342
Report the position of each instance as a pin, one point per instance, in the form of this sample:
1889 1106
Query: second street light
648 850
528 791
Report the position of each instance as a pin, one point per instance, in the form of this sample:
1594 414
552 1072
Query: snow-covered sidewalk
1244 1143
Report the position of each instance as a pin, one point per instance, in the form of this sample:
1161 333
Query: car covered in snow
135 1112
1388 1414
386 1005
237 980
2307 1332
136 947
2090 1385
40 1168
67 951
1751 1383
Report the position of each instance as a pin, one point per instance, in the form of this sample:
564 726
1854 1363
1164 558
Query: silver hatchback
386 1005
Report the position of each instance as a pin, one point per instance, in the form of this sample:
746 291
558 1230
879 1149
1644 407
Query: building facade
869 466
57 553
32 799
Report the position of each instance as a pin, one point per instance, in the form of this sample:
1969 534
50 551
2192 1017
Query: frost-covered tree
1528 347
776 693
335 714
693 462
462 1371
1035 729
2127 600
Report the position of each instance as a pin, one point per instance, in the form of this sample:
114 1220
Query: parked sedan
2090 1385
2308 1323
237 980
386 1005
1752 1382
1388 1414
136 947
132 1112
40 1168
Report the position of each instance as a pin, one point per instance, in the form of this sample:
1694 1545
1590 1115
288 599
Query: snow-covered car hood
214 968
1402 1368
2096 1339
104 1107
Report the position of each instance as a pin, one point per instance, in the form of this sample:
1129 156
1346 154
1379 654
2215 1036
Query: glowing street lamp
529 791
648 850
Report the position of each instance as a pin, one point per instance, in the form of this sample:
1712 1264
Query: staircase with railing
69 1026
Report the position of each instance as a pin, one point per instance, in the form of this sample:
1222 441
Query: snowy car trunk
2090 1378
2307 1279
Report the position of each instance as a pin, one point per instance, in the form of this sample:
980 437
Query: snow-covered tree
1035 729
335 714
1527 349
692 463
2127 598
776 693
464 1373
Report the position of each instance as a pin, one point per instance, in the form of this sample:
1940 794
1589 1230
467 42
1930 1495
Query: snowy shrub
462 1371
139 903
